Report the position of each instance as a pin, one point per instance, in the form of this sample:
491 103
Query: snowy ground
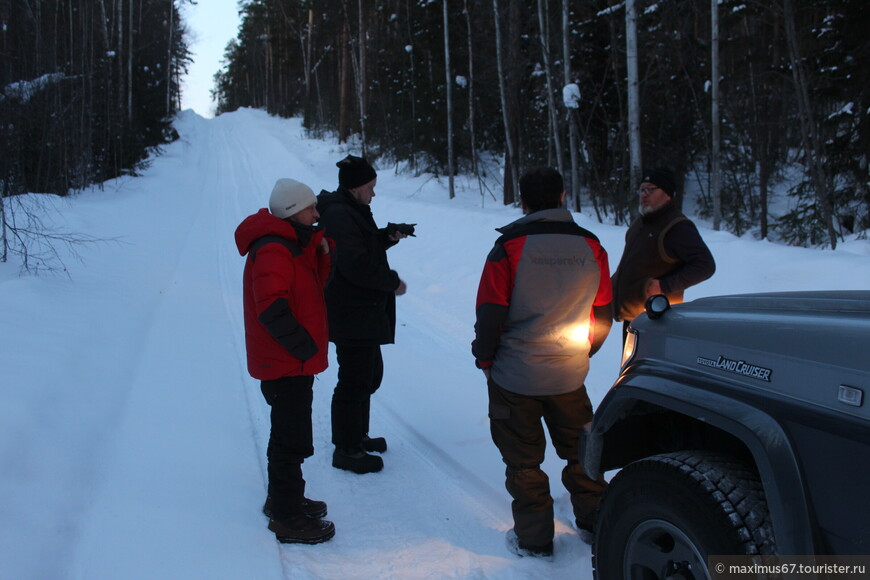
132 440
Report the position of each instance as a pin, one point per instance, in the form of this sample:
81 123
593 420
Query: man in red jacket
286 336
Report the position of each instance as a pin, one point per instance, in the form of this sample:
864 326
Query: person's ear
523 205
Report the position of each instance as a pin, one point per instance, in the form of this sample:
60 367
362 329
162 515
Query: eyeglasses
647 190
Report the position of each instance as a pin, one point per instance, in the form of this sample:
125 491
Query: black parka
360 297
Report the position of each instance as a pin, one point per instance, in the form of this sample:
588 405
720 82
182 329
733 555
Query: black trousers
290 441
515 425
360 372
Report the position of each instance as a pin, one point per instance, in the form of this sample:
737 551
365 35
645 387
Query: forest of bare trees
436 84
88 89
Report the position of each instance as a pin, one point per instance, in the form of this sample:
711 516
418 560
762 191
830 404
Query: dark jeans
290 441
515 424
360 371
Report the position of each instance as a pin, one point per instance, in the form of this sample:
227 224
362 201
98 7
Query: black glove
406 229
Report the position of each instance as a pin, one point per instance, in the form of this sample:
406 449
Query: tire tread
732 487
735 487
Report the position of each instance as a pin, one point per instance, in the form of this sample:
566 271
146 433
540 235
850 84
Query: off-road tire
661 517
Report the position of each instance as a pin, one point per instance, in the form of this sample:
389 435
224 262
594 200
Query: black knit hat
354 171
661 177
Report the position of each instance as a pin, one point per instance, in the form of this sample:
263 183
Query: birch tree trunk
361 73
4 244
470 32
343 82
169 58
130 65
714 94
307 53
633 103
551 100
119 52
103 29
574 193
763 180
812 141
510 177
449 86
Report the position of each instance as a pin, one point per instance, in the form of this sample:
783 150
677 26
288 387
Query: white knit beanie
289 197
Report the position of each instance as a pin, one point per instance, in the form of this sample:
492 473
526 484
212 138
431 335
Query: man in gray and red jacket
543 308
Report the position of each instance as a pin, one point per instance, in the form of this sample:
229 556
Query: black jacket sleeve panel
493 302
684 243
359 255
487 331
603 316
283 326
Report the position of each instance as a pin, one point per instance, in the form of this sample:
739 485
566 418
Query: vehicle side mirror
656 305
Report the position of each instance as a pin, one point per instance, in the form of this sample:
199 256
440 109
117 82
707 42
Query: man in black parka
361 306
664 253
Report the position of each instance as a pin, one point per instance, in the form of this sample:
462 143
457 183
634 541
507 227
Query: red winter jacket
286 331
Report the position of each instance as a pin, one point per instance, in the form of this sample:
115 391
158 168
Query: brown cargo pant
515 424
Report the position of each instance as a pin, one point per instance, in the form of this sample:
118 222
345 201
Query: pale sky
212 23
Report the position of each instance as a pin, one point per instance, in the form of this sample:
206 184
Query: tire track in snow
432 512
178 442
236 168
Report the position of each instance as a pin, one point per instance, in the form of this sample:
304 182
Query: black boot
374 444
370 444
357 460
300 529
310 507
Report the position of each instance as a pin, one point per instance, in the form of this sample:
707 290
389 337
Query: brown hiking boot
302 530
310 507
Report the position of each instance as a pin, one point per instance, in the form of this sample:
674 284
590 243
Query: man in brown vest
664 253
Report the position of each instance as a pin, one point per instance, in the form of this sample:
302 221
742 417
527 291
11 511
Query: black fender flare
762 434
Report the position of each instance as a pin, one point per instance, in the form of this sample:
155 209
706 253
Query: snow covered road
132 440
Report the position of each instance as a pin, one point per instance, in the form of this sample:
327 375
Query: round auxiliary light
656 306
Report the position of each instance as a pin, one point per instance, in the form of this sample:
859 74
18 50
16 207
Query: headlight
630 346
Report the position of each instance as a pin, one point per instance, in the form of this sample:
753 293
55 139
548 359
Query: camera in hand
405 229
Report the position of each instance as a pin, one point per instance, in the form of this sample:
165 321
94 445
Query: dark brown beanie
354 171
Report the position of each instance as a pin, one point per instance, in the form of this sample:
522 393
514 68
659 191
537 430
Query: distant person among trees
361 299
543 308
286 338
664 253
